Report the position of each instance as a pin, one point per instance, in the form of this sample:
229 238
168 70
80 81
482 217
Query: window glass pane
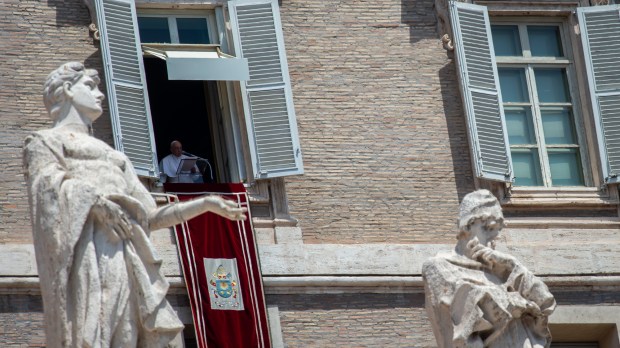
545 41
565 168
154 30
513 85
558 126
551 85
526 167
519 124
506 40
193 30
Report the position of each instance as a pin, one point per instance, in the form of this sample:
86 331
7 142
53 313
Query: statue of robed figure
100 276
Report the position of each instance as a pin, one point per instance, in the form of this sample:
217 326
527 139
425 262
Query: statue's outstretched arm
174 214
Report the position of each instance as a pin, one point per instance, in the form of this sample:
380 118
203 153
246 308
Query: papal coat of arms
224 289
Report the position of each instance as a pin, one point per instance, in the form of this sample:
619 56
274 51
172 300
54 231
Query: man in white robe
169 165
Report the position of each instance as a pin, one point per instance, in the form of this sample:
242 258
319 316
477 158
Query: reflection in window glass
551 85
193 30
526 167
565 168
513 85
558 126
538 110
545 41
506 40
154 30
519 124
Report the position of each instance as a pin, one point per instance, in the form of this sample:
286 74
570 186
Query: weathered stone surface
479 297
100 276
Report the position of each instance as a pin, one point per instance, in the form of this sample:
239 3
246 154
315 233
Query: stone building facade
383 128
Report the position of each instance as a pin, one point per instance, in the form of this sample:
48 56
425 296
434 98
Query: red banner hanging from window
222 273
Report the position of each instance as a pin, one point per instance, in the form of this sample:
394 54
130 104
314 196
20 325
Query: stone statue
100 276
479 297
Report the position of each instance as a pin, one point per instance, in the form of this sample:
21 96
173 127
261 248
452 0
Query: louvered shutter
127 95
482 101
267 96
600 36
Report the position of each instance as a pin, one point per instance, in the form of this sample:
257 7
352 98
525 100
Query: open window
185 68
175 75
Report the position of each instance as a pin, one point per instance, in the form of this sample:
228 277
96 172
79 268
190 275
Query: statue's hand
489 257
224 207
112 216
518 305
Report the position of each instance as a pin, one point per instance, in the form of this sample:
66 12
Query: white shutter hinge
609 177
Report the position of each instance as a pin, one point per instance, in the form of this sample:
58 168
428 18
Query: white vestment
170 165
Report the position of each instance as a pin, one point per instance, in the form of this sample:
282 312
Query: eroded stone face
477 296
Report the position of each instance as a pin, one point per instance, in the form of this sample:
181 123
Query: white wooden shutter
600 36
267 96
482 101
126 86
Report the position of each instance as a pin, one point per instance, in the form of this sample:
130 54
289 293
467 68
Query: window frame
173 14
603 192
259 155
230 145
529 63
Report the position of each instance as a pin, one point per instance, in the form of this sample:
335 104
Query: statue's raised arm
100 277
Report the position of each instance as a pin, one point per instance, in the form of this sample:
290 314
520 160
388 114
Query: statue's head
479 206
56 91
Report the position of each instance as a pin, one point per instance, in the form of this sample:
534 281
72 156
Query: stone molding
544 255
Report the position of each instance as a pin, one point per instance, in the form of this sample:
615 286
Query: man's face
485 230
176 149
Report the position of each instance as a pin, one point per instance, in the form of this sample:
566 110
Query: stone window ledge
566 197
571 223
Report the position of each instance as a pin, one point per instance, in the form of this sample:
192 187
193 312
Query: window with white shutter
267 96
127 96
479 87
600 35
190 41
520 94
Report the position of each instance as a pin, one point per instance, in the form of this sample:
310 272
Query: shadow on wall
76 14
70 13
457 129
420 16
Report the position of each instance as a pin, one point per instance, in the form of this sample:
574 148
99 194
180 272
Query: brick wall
384 142
21 321
35 38
376 98
354 320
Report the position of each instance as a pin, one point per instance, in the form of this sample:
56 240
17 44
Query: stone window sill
569 223
566 197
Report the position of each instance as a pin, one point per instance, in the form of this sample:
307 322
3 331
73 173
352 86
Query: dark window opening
184 111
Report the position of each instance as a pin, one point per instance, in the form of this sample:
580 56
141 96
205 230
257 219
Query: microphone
201 158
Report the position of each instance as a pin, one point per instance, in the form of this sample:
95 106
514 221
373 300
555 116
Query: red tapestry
228 306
